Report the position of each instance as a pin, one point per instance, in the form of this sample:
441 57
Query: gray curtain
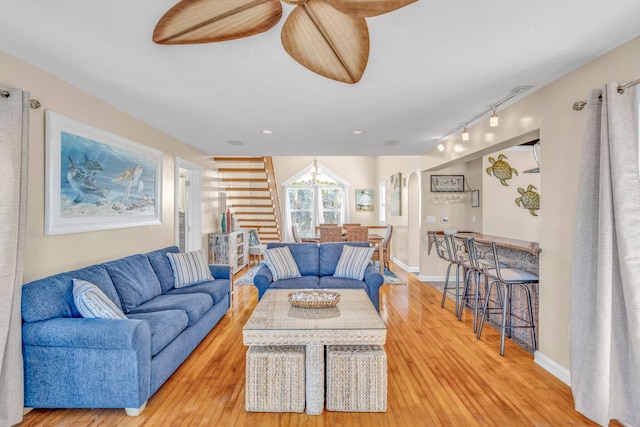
605 293
14 125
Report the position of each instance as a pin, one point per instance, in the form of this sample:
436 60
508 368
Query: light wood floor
439 375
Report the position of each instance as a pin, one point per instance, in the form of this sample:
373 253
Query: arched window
315 196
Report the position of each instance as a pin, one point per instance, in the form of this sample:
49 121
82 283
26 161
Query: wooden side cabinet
229 248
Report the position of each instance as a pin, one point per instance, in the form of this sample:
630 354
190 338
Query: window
382 202
315 197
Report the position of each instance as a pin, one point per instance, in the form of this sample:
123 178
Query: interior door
188 206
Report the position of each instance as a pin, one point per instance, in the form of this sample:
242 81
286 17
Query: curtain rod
579 105
33 103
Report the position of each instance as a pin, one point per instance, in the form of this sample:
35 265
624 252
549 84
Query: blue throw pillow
91 302
353 262
281 263
189 268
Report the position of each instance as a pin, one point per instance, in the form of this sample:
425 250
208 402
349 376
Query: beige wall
548 112
45 255
502 217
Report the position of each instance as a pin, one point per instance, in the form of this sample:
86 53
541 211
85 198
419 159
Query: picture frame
396 194
97 180
364 200
475 198
447 183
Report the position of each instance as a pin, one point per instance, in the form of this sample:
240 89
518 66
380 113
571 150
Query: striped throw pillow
91 302
281 263
189 268
353 262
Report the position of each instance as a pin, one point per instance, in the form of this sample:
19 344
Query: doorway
188 222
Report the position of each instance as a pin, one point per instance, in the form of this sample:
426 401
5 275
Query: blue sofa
317 264
76 362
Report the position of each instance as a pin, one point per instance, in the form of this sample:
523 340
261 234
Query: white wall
46 255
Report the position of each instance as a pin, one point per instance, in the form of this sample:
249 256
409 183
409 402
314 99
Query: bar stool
507 278
443 250
463 258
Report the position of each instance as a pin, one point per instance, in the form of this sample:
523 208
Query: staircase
252 194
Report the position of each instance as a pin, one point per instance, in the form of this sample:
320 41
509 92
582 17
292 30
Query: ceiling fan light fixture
493 120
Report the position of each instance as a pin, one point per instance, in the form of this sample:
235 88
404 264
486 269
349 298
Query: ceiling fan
329 37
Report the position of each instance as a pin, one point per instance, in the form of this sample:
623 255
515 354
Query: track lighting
493 120
465 134
440 147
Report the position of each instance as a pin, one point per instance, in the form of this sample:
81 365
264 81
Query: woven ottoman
275 379
356 378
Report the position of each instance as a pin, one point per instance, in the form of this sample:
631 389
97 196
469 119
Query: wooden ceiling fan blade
367 8
206 21
327 41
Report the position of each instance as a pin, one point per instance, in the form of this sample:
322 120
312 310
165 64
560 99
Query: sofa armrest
87 363
262 280
374 280
221 271
76 332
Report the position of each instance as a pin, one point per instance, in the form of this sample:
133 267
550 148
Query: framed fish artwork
97 180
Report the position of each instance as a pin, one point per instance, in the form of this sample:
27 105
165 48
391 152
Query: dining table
373 239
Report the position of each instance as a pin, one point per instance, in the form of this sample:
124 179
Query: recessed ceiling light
268 132
357 132
391 142
235 142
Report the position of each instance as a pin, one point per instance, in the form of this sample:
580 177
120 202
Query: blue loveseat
76 362
317 264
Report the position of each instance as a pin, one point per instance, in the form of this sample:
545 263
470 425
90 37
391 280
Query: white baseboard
553 367
431 278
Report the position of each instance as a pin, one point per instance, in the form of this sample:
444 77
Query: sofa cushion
305 254
161 265
217 289
189 268
353 262
303 282
195 305
52 296
134 279
164 326
91 302
332 282
330 254
281 263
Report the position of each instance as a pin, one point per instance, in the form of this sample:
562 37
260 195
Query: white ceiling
433 65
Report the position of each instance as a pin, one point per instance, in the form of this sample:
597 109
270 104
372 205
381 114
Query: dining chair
330 234
295 234
357 234
386 248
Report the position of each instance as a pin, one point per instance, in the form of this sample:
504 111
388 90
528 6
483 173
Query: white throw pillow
189 268
281 263
93 303
353 262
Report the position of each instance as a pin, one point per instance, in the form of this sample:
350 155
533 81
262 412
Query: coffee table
354 321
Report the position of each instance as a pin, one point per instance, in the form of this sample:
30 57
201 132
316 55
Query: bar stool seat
443 250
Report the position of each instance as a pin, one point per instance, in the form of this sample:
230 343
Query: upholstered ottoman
275 379
356 378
